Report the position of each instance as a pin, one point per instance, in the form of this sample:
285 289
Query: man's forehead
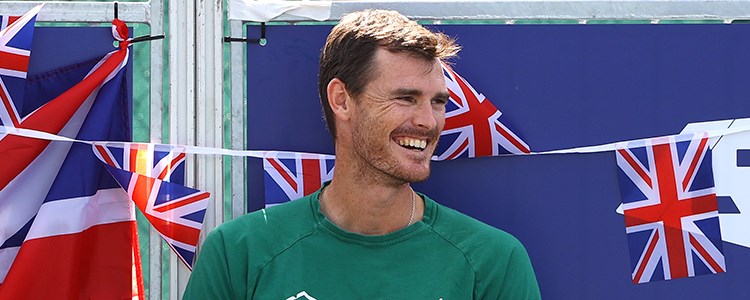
404 62
406 74
384 56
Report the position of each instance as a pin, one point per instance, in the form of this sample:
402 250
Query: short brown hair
351 46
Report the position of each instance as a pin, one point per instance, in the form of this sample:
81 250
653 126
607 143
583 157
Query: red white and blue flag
67 229
153 179
670 207
7 20
165 163
16 34
472 124
290 176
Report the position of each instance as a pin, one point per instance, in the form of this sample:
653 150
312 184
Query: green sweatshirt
292 251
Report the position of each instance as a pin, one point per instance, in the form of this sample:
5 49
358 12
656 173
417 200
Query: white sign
731 180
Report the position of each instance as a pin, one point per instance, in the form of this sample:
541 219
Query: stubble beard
377 161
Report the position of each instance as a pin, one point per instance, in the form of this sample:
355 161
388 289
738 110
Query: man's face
398 118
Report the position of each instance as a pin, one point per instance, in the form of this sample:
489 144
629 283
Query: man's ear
338 99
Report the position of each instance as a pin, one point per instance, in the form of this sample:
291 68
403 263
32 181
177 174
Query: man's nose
424 116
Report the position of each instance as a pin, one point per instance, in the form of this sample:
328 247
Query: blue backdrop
562 86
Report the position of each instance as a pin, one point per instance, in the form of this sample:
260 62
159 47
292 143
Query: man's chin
416 176
420 179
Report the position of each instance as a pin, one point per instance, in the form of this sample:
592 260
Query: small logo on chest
301 295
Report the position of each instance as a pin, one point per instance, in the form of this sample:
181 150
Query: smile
412 143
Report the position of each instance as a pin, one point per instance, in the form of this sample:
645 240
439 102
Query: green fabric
291 251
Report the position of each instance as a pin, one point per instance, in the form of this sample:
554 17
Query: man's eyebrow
407 92
416 92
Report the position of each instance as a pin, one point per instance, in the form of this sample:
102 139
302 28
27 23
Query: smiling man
367 234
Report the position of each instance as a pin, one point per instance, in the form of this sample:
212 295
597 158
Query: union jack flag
670 207
176 212
290 176
54 201
7 20
472 124
146 160
16 34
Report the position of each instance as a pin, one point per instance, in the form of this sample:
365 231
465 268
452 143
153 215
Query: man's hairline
375 70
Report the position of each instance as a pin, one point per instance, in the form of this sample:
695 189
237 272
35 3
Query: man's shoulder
471 236
275 225
235 252
500 262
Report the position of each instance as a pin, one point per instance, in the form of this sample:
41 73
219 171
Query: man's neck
368 206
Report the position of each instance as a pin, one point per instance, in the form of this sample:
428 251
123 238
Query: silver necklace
413 207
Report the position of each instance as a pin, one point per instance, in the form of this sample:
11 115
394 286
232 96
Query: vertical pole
237 57
156 23
206 116
182 102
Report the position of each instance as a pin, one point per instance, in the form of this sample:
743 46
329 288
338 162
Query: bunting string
685 136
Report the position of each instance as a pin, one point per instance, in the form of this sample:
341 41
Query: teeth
415 143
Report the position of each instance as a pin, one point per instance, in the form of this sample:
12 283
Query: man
367 234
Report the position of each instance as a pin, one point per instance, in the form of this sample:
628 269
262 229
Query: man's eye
406 98
440 101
